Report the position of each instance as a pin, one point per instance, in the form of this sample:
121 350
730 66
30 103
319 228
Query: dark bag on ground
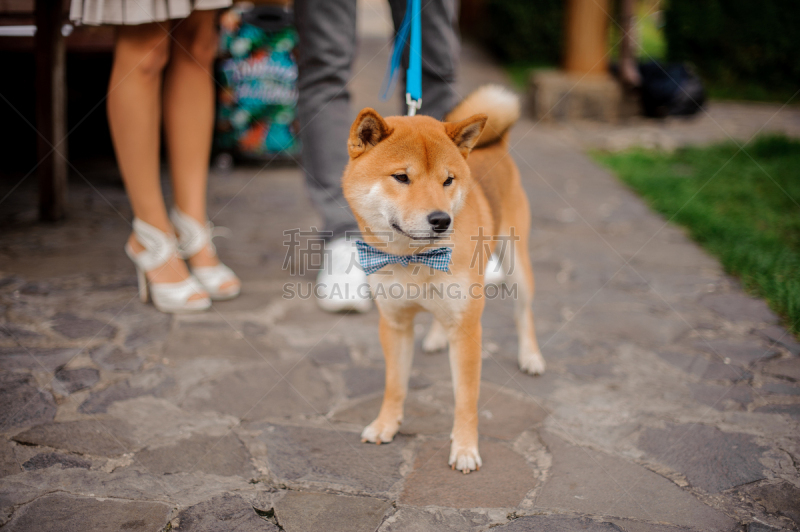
671 89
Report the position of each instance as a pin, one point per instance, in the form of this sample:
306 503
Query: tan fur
499 103
485 197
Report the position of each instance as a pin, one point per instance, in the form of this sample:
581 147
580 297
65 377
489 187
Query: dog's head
408 177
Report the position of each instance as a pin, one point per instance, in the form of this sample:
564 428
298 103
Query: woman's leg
134 116
189 117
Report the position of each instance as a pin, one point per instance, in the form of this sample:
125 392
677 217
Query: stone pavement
671 400
718 122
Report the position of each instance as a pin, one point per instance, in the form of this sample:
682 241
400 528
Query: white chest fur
397 287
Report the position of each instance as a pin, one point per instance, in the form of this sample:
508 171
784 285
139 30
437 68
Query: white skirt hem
133 12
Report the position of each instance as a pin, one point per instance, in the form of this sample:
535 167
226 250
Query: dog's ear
368 129
465 133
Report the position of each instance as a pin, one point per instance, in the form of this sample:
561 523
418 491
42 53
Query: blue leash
413 25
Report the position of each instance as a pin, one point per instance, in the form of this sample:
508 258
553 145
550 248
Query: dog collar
373 259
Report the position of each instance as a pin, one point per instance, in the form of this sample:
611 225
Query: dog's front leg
465 365
397 340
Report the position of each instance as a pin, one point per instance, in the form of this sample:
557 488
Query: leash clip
413 105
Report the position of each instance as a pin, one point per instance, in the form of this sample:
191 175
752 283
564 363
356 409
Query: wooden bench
49 44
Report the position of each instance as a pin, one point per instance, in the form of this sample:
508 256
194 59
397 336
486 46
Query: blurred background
605 76
737 50
740 50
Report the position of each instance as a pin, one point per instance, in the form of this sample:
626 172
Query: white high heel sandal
192 238
159 248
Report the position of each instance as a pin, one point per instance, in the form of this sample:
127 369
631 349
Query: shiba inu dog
416 184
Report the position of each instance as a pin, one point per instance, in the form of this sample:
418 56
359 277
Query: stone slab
155 382
585 481
722 397
414 519
217 455
99 401
251 330
223 513
567 349
17 333
791 410
705 367
420 416
8 460
74 327
781 498
148 331
760 527
322 512
644 328
503 481
128 483
107 437
115 358
778 335
259 392
22 403
45 460
709 458
430 411
363 381
787 368
505 416
504 371
738 307
157 422
36 358
742 352
66 513
70 381
223 341
628 525
591 371
719 371
38 288
324 354
301 454
780 388
688 362
557 523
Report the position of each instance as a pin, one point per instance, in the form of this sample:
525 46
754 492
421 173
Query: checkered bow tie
373 259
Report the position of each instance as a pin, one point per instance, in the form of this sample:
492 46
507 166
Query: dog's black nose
439 220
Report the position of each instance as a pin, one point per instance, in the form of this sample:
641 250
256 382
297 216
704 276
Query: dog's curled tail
497 102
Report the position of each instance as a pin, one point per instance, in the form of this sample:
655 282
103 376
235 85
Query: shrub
737 41
525 31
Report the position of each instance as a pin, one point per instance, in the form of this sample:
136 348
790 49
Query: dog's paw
436 339
532 362
464 458
380 431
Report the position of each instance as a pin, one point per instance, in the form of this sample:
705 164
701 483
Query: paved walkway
671 400
720 121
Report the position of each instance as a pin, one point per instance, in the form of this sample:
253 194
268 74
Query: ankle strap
159 247
194 236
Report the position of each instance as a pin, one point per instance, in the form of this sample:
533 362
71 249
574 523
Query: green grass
744 211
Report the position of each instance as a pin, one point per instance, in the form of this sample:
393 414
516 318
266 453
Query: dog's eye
448 181
402 178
